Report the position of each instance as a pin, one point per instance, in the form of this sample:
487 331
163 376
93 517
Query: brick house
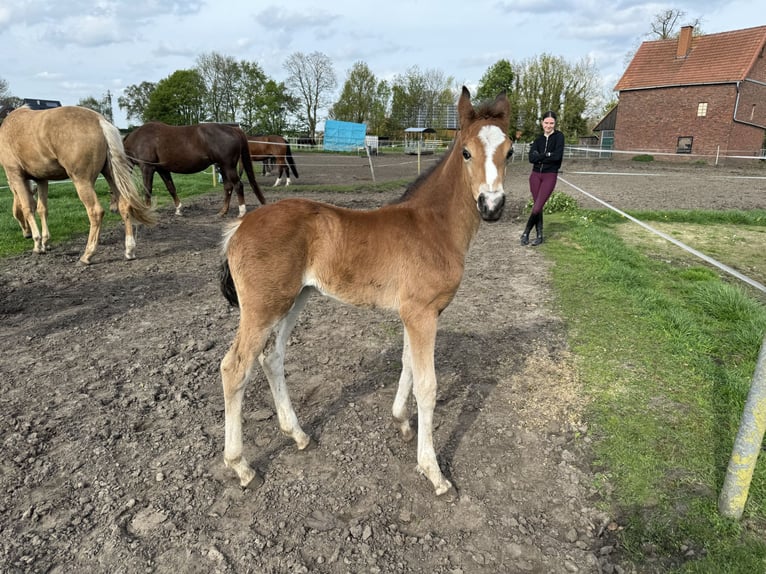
702 95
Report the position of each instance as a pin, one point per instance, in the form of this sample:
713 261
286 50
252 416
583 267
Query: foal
407 256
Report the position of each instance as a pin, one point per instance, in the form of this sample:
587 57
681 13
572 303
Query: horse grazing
165 149
75 143
276 149
406 256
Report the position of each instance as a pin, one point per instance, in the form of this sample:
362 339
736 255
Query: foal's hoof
254 483
311 445
449 496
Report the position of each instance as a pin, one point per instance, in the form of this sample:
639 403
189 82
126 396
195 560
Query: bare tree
312 78
221 75
666 24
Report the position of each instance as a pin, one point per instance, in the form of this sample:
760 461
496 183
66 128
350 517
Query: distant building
694 95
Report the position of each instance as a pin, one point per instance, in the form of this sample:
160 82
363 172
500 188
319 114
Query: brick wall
652 120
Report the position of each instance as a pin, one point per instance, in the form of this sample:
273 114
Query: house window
684 144
701 109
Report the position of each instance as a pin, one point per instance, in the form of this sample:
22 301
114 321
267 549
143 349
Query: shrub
558 202
643 157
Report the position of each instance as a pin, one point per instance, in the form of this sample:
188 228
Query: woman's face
548 125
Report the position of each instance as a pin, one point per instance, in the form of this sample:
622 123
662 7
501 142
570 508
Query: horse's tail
228 288
247 163
290 160
122 173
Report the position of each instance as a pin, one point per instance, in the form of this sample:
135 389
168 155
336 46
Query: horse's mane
413 187
487 111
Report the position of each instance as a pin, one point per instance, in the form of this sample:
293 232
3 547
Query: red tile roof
715 58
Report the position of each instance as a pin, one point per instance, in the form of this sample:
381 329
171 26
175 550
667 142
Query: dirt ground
112 414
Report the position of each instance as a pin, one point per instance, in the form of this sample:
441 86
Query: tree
264 104
221 75
665 24
8 102
497 78
135 100
178 99
102 106
312 78
363 99
421 99
551 83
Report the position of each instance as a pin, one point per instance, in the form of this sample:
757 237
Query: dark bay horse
165 149
75 143
262 148
407 256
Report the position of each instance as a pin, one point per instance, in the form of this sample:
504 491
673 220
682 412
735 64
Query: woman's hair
550 114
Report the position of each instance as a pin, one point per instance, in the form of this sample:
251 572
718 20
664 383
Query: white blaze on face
491 137
493 196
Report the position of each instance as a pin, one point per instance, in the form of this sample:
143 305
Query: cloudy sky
69 50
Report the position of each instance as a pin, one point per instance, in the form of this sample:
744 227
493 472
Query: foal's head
485 146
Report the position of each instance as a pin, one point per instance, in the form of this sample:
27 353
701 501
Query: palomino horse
68 142
407 256
264 148
158 147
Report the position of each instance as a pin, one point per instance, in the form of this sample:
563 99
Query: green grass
666 351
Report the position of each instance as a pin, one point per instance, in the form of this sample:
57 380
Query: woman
545 155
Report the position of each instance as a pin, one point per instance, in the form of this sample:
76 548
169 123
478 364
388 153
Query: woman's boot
539 229
530 222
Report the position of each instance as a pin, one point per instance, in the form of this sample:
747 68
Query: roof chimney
684 41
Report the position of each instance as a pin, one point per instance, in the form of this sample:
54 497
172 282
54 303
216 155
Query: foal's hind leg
273 363
236 371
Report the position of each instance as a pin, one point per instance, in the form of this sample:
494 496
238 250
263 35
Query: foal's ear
502 105
464 108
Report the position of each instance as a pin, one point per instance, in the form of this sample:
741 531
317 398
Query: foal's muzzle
491 205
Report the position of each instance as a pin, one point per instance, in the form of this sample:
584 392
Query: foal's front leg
421 331
400 409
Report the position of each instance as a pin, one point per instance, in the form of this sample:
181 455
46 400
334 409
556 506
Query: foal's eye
466 154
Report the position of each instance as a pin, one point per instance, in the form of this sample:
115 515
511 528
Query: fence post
747 445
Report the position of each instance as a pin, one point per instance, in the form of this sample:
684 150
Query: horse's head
485 147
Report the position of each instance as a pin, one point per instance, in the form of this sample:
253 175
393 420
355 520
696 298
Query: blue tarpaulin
343 136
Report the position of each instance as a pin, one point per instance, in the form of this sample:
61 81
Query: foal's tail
122 173
290 160
228 288
247 163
